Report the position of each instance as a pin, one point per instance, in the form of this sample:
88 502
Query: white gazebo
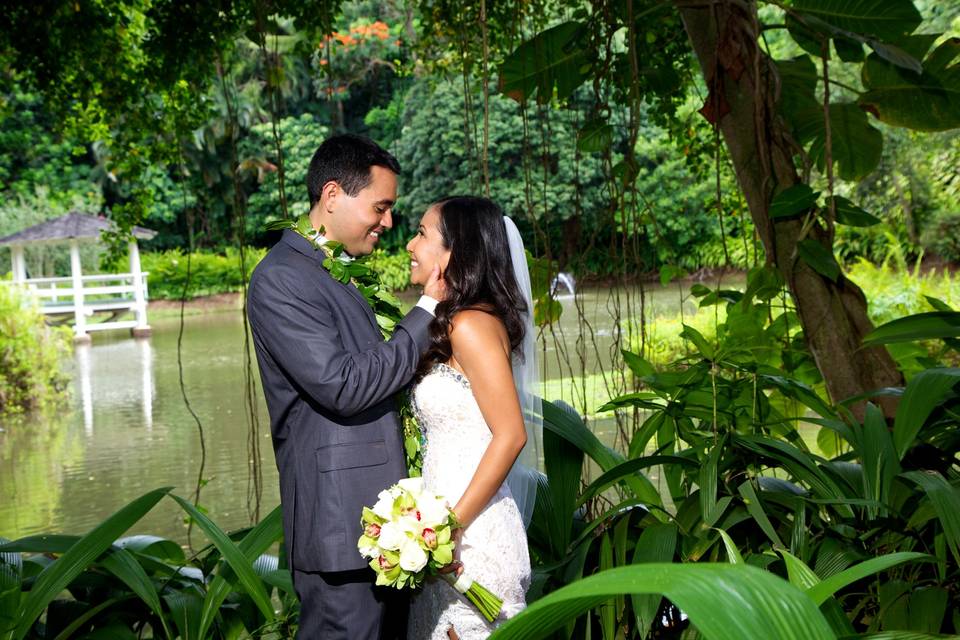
84 295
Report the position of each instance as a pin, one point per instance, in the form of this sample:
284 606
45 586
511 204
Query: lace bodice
494 549
455 433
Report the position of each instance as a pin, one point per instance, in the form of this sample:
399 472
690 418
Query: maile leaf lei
347 269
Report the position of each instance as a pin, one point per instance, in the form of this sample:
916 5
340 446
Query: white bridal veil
522 479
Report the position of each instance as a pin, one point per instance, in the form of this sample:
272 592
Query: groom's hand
436 287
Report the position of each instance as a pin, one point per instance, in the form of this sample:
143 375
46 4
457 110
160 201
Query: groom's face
358 221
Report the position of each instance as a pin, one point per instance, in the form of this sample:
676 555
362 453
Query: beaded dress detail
494 548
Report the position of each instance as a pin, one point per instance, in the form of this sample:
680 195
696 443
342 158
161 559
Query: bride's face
426 248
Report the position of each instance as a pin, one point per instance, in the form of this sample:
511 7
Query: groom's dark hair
346 159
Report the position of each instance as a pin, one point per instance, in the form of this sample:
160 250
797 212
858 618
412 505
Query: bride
468 395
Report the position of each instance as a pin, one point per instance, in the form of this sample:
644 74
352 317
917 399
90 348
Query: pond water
126 429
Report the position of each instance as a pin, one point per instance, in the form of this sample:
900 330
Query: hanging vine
250 393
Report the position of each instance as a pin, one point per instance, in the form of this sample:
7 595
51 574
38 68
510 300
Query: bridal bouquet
408 535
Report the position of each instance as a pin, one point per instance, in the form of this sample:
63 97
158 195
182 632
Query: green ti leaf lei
347 269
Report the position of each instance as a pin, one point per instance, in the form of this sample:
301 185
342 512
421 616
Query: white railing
112 292
108 291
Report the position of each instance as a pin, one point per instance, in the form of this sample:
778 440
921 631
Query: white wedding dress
494 548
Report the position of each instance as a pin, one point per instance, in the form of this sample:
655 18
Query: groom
329 381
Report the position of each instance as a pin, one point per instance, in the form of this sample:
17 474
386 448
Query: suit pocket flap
352 455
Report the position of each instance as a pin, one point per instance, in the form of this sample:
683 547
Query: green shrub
394 269
664 343
943 236
30 354
894 290
210 273
213 273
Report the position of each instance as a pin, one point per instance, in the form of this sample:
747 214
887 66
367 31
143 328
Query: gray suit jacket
329 381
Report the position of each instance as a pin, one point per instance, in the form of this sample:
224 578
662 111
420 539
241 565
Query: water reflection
81 356
127 432
122 356
146 381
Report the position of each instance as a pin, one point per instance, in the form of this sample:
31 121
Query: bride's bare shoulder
476 325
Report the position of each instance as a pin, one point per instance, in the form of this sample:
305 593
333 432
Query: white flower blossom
412 485
433 511
384 506
412 557
392 536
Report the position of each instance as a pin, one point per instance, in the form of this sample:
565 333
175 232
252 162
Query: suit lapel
302 245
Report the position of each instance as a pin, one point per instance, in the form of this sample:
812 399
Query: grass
584 393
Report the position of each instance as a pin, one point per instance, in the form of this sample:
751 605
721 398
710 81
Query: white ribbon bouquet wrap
408 535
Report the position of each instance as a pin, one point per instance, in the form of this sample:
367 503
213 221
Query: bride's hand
456 565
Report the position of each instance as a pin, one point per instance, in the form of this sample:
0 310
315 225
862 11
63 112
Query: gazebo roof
74 225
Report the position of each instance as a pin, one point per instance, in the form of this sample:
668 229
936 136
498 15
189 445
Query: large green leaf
552 58
725 602
799 391
58 575
850 214
886 19
880 463
793 201
800 575
828 587
755 508
11 574
253 544
91 613
801 465
819 257
640 367
900 635
185 609
240 564
596 135
44 543
929 101
571 427
124 566
733 554
925 392
657 543
798 78
557 496
625 470
709 476
855 145
920 326
945 499
153 546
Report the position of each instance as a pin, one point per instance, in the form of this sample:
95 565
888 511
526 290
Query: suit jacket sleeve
304 340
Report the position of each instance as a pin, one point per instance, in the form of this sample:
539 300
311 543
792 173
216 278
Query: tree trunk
742 82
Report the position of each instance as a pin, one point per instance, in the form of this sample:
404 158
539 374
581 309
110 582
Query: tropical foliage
863 519
30 352
141 585
175 274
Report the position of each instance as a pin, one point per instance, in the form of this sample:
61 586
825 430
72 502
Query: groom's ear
328 195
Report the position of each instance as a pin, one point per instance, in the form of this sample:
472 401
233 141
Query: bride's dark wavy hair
479 274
